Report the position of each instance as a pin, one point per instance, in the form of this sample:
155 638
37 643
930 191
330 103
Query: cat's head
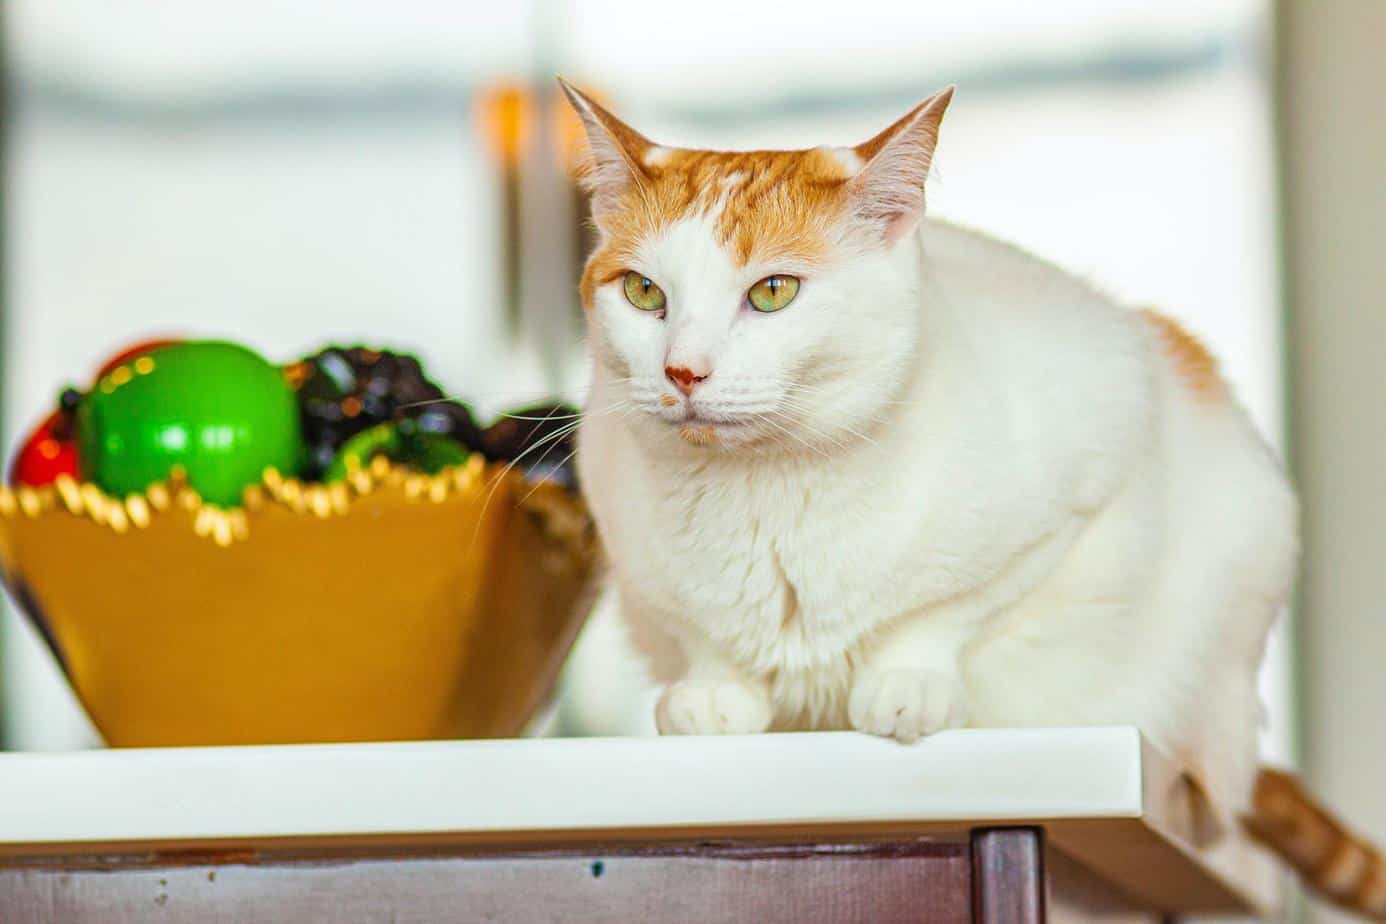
755 299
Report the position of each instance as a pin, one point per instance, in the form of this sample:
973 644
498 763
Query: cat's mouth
709 426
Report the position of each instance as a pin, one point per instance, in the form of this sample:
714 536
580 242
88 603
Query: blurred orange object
403 606
507 122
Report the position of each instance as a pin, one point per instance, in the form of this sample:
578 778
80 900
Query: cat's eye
773 293
643 293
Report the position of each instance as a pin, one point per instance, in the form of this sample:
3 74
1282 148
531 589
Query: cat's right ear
615 151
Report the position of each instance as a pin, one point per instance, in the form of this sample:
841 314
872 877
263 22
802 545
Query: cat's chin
751 435
711 433
716 434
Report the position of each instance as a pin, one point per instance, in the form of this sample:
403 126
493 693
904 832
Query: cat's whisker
564 461
551 416
473 396
557 434
541 419
578 415
801 441
819 433
550 440
792 435
827 437
770 437
810 390
802 408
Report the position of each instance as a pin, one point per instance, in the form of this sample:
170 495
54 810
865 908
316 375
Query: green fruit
218 410
358 451
433 452
402 442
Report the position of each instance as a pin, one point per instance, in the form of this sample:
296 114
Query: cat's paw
712 709
905 704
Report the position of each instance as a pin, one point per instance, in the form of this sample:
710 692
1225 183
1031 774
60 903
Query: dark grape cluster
345 390
539 439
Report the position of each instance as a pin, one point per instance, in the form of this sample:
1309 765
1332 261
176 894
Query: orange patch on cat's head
766 206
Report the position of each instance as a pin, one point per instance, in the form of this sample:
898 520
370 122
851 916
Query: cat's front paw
905 704
729 708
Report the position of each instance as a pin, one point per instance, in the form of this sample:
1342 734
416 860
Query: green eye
643 293
773 293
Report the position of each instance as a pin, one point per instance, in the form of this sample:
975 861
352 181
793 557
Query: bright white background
289 174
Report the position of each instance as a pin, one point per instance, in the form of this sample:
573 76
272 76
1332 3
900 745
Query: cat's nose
684 378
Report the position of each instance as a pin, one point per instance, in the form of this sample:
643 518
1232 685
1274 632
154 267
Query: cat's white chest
758 565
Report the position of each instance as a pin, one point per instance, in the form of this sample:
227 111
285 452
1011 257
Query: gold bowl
392 606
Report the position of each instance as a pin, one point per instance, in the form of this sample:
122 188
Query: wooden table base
997 878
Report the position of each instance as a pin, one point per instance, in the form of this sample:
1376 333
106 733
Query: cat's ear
889 188
616 152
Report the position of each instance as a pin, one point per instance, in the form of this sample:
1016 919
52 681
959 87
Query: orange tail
1332 860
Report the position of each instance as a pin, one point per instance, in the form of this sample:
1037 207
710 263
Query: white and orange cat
860 469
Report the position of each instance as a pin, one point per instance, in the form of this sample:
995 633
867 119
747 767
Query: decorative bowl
391 606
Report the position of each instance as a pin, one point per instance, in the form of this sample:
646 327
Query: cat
855 468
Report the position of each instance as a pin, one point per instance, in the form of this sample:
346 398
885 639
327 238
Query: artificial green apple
400 442
217 410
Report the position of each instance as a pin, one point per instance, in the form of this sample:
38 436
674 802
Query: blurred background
289 174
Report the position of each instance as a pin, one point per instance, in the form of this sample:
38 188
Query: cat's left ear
889 188
616 152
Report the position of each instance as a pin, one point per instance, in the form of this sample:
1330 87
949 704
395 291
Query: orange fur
699 436
1190 358
770 206
1334 861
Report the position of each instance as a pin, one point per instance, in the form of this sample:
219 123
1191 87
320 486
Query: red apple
47 453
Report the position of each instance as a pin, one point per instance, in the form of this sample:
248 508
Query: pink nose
684 378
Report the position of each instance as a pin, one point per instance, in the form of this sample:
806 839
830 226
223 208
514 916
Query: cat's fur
949 484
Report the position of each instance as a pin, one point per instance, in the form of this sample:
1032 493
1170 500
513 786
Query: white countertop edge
574 784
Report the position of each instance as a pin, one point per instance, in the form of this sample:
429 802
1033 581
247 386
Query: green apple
218 410
399 442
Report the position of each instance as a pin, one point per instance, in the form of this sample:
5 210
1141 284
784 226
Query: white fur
953 484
